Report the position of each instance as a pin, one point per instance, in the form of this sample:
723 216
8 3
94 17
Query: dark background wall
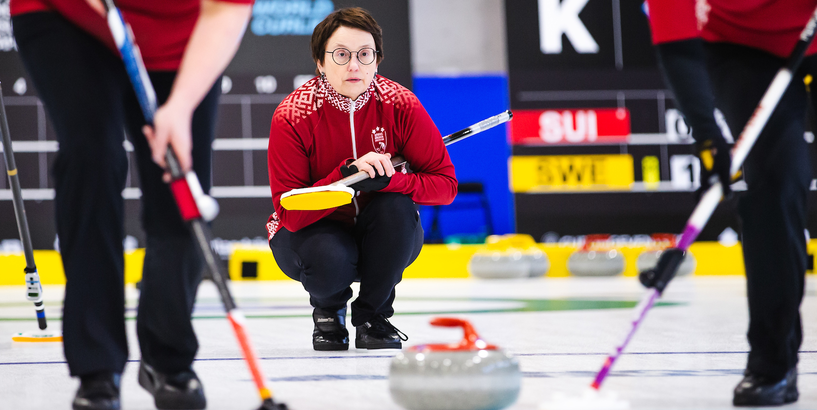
273 59
465 60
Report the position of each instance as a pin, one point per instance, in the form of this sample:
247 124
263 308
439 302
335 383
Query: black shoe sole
749 401
175 403
330 348
373 346
107 405
754 401
162 402
791 396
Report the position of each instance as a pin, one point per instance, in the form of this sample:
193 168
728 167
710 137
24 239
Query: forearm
684 67
212 45
424 189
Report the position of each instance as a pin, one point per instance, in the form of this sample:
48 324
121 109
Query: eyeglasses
342 56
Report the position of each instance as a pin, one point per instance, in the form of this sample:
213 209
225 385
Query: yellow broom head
317 198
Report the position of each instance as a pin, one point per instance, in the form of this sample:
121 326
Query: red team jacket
769 25
161 27
315 130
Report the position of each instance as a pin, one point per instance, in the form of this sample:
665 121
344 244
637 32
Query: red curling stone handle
470 339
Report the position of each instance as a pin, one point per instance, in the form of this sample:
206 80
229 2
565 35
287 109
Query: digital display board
599 146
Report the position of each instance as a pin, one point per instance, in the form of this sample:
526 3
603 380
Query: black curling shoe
330 329
379 333
756 390
98 391
181 390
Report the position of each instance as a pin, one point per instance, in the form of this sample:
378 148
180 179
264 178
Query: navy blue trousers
326 257
773 210
90 102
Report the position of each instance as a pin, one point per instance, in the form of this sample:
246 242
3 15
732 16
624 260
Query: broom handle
396 161
460 135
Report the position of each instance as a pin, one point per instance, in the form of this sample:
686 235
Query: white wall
458 37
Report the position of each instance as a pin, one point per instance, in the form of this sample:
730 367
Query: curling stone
469 375
648 260
591 261
538 260
661 241
509 256
499 261
539 263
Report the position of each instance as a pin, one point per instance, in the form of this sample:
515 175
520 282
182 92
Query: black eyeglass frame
356 55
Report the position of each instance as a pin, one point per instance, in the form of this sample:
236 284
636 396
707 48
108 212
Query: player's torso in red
161 27
770 25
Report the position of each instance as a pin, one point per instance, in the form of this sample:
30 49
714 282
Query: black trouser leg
390 238
173 267
323 257
327 257
82 85
773 210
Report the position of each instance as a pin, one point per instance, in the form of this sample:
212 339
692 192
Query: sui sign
583 126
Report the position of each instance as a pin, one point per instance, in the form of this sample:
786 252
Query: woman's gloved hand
379 168
716 161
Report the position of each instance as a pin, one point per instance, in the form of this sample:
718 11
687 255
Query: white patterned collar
344 103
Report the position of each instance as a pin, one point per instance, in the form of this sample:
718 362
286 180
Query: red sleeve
673 20
17 7
433 181
288 166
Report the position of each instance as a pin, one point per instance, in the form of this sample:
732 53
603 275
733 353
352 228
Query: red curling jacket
769 25
315 130
162 28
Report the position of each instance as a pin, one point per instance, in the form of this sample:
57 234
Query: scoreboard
597 145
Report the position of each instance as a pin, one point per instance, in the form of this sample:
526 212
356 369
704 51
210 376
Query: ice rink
689 353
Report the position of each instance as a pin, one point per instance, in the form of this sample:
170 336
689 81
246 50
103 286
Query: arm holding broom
214 41
681 57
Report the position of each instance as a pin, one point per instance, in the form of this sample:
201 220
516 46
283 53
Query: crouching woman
350 119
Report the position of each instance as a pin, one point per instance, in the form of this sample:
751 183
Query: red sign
587 126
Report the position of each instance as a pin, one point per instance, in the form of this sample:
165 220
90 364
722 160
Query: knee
327 271
100 163
328 261
393 201
393 206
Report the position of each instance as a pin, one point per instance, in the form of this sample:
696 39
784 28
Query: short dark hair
352 17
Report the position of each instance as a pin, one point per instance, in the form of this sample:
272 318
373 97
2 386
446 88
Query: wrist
180 105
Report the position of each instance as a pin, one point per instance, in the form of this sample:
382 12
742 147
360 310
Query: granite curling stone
648 259
538 260
660 242
509 256
591 260
469 375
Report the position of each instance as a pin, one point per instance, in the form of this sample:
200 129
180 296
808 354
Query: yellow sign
571 172
650 173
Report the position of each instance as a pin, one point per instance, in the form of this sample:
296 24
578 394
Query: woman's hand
171 125
375 164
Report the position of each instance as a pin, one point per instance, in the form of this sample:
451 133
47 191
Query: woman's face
352 78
